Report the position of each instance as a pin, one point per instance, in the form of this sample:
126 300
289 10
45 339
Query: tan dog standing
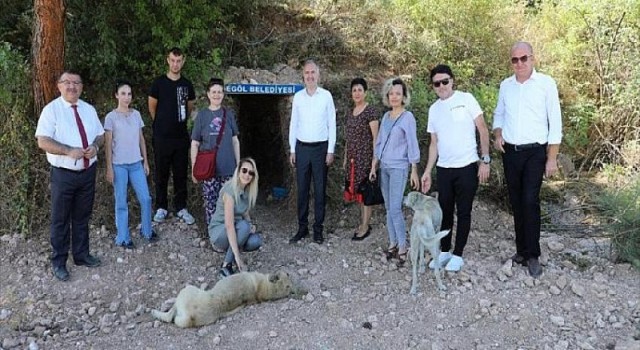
195 307
427 218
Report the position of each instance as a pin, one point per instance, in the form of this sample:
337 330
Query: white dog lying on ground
427 218
195 307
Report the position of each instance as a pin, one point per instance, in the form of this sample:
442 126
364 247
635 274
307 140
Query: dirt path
357 300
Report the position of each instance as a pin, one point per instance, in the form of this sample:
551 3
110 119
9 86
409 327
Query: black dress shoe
153 238
360 238
226 271
518 259
535 270
317 237
128 245
88 261
300 235
60 272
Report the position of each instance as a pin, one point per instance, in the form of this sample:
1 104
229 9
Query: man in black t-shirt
171 101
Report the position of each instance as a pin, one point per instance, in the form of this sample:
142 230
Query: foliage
591 49
19 200
107 45
620 205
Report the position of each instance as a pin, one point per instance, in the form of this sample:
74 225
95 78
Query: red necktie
83 134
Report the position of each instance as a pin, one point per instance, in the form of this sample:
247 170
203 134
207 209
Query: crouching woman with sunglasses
230 229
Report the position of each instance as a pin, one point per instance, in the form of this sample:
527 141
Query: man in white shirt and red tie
71 133
527 126
312 141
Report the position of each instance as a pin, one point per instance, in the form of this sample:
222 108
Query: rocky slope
357 299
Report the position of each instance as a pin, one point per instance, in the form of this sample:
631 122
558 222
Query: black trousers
72 195
523 170
171 156
311 163
456 189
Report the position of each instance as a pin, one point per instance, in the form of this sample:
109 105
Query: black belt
311 143
524 147
75 171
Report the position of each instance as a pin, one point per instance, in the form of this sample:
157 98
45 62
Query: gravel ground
356 300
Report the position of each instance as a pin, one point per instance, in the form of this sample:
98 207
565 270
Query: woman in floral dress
361 132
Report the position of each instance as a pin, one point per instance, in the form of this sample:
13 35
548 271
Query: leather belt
311 143
78 171
523 147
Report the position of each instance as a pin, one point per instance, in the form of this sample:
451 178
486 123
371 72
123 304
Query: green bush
621 207
20 193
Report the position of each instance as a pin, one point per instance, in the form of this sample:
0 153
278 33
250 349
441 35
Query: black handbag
371 192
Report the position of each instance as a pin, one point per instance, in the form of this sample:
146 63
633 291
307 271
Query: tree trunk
47 50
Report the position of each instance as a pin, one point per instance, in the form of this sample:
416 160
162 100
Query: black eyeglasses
70 82
251 172
443 82
522 59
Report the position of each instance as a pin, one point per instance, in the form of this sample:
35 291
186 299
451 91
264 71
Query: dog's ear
273 278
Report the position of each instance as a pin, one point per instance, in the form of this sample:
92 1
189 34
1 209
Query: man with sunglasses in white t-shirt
453 121
527 126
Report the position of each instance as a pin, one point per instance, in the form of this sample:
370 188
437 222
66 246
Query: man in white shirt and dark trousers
71 133
453 120
312 140
527 126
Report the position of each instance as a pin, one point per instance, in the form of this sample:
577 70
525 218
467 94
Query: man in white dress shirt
527 127
71 133
312 140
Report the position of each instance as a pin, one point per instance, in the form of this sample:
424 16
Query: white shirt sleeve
498 114
554 114
331 115
293 125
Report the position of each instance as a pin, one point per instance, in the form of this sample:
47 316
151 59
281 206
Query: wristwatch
486 159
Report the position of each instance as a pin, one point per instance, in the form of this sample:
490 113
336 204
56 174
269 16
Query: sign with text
264 89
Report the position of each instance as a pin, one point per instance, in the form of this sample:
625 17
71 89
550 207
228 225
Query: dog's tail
165 316
441 234
427 241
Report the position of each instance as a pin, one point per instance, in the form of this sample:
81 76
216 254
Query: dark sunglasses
522 59
245 170
443 82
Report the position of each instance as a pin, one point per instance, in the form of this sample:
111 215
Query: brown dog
195 307
427 218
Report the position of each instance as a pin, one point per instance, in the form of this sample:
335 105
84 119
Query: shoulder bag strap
224 123
387 141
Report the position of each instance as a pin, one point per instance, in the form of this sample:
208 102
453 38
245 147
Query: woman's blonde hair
252 187
406 95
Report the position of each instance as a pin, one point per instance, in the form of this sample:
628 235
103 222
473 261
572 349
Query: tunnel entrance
263 112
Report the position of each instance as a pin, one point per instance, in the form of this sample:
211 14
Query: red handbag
205 165
350 193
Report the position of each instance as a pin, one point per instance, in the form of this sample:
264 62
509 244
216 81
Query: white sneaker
184 215
161 215
443 259
454 264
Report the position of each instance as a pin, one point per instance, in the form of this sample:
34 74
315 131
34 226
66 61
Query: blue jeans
392 183
247 241
122 175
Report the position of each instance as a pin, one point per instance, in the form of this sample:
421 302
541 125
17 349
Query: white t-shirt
125 132
453 122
